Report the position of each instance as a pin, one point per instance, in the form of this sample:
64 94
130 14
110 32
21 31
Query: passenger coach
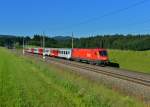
97 56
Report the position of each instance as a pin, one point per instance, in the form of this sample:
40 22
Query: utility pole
41 40
72 40
43 46
23 46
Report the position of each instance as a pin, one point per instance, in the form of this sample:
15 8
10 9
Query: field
25 82
132 60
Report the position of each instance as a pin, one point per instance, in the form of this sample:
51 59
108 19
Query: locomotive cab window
103 53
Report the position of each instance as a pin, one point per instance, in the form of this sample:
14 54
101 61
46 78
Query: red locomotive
94 56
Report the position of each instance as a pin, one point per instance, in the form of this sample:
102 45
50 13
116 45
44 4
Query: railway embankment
127 82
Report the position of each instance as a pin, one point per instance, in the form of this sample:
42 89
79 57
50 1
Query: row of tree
124 42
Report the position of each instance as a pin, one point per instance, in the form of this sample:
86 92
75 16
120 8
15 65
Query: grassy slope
26 82
132 60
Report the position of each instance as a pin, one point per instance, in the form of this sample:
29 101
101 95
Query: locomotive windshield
103 53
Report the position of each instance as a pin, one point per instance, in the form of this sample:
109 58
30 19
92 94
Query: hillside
62 38
131 60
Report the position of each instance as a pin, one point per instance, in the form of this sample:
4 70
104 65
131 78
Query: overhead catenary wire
115 11
90 20
130 25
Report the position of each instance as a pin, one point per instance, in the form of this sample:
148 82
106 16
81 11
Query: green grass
25 82
132 60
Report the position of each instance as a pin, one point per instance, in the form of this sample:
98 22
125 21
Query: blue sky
61 17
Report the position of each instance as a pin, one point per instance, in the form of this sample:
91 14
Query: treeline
12 41
128 42
123 42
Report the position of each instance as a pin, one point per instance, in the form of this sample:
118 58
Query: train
96 56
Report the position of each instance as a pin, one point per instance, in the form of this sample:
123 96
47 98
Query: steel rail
136 80
106 72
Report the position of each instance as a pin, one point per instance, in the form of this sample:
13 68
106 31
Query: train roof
91 48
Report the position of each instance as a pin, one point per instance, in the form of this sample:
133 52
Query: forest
138 42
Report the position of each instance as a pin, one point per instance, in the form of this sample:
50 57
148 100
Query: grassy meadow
132 60
25 82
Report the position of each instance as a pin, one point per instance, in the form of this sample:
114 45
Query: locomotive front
103 56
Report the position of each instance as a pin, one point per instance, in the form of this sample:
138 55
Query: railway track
130 83
93 68
135 77
138 78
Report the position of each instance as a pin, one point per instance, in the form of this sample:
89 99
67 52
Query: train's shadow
114 64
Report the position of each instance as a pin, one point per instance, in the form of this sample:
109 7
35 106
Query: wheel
92 63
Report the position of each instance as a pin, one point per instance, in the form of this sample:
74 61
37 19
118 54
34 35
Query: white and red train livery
93 56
